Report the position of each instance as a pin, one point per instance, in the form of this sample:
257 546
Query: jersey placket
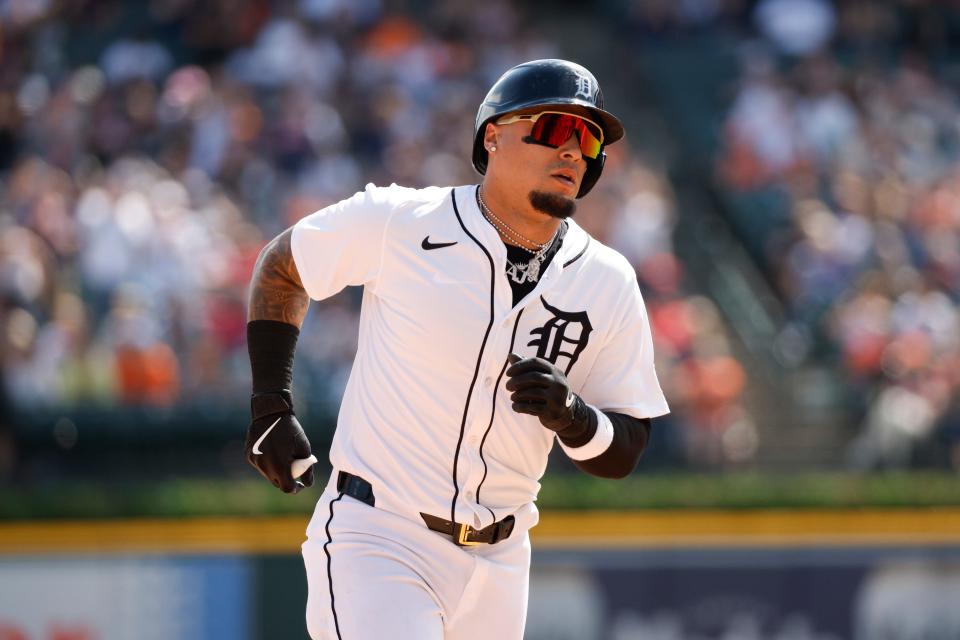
492 363
483 404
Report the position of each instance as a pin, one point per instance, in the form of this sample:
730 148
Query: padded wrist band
271 403
582 425
600 441
271 345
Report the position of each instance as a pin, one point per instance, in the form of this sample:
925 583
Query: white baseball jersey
426 417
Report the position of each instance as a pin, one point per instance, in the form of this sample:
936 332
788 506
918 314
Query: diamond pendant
533 268
521 273
516 273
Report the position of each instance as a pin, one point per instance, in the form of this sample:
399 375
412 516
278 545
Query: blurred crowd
857 122
149 150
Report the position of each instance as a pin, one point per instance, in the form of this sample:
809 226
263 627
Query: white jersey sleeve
623 378
341 245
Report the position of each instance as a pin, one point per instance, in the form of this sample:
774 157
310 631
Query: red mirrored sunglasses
554 128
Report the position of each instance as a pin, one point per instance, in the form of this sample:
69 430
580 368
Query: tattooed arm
276 309
276 292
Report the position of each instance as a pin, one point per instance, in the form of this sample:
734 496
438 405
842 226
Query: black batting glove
275 439
538 388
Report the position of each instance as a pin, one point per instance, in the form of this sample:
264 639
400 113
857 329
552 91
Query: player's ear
490 136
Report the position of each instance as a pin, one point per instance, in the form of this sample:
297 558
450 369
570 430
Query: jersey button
469 495
488 381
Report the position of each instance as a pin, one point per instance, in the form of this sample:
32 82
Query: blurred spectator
135 59
796 27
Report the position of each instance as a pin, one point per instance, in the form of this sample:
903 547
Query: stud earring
492 148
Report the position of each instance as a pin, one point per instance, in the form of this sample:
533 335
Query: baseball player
492 327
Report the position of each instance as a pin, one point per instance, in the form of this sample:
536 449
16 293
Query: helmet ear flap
592 174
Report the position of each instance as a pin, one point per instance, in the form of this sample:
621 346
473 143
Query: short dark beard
552 204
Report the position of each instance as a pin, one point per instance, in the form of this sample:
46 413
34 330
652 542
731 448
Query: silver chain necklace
507 228
519 272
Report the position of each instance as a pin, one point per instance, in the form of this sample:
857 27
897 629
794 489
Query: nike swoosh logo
263 436
429 246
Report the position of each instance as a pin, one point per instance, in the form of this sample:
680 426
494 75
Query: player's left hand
540 389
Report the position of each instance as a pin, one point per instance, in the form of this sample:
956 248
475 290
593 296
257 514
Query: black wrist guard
271 345
582 426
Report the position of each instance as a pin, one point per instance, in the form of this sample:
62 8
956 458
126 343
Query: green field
249 496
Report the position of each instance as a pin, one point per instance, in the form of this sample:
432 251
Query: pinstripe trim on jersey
493 409
476 369
579 255
336 623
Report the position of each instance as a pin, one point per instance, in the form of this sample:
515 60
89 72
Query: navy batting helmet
558 84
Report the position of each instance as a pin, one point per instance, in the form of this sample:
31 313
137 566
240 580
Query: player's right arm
320 255
276 292
276 309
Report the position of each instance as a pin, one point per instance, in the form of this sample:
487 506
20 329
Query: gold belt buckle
462 531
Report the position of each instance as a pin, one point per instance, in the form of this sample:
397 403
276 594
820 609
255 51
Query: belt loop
355 487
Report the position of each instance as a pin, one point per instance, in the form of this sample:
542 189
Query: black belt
462 534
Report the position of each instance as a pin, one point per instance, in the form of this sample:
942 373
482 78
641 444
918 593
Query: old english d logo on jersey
565 334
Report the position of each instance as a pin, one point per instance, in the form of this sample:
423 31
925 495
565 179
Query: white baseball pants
372 574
